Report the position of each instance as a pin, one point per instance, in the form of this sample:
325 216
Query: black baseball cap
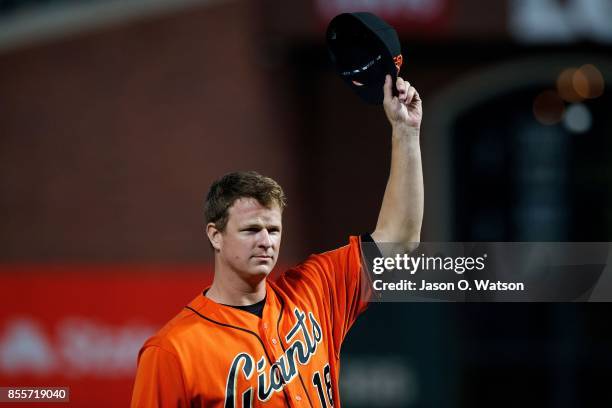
364 49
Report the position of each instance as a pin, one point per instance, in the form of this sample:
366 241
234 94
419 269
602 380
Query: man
247 341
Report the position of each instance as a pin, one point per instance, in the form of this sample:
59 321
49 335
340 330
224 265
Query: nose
265 241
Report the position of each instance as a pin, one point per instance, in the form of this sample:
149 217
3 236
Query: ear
214 236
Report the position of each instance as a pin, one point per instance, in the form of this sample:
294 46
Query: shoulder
183 330
333 258
171 330
321 272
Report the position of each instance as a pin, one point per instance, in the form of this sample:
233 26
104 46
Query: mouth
262 257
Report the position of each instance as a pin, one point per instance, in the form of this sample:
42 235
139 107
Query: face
251 241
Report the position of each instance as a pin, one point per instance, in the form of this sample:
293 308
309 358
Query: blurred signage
557 21
378 381
404 15
82 326
76 346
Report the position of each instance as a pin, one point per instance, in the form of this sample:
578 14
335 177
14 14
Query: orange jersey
215 355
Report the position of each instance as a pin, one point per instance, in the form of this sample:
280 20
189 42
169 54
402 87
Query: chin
256 275
261 270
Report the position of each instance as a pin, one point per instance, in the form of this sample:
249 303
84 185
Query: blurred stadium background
115 116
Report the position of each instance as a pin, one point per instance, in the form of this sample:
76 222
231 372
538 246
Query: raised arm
401 212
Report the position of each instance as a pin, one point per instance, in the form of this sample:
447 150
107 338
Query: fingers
402 88
387 89
406 91
417 97
410 95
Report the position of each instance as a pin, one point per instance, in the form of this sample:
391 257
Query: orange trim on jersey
398 60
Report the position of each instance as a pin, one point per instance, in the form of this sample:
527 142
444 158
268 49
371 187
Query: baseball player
246 341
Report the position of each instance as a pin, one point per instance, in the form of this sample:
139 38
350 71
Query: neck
229 288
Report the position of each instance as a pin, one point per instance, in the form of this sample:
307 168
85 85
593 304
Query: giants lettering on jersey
282 371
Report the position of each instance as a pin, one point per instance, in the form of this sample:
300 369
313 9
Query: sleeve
340 281
159 380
